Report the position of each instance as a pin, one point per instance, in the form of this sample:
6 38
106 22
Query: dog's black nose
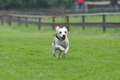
63 37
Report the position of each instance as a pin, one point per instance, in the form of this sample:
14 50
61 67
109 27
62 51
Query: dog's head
61 33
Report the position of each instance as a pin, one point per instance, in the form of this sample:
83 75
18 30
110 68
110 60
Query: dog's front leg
64 54
60 47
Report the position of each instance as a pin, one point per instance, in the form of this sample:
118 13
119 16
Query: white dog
60 42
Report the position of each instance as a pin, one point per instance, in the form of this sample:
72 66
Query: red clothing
80 1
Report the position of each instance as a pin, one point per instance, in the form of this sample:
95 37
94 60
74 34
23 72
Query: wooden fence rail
24 19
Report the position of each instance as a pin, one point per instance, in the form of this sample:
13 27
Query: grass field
109 18
25 54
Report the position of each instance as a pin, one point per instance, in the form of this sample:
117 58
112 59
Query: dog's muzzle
60 38
63 37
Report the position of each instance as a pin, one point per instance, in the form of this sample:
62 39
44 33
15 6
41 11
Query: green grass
109 18
25 54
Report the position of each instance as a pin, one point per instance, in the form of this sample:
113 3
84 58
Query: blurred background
57 6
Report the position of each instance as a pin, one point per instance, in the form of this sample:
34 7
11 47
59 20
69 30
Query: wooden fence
24 19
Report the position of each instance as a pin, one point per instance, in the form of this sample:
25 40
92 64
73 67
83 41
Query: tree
34 4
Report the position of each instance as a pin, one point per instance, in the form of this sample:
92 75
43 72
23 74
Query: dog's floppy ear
57 27
64 27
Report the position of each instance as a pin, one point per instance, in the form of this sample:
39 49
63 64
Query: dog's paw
63 56
62 49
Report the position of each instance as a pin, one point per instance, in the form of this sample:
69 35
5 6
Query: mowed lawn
25 54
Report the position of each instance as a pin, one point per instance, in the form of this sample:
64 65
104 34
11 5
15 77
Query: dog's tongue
63 37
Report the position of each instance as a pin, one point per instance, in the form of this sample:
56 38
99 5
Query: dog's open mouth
60 38
63 37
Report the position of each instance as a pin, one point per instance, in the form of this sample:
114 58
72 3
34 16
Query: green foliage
61 3
96 0
36 4
25 54
29 4
23 4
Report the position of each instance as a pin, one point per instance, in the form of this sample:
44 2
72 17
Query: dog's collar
56 35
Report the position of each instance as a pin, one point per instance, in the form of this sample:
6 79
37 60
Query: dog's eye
65 32
60 32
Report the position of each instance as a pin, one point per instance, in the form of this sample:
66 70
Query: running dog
60 42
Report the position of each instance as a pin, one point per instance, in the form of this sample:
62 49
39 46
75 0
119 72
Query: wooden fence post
53 23
83 22
26 21
67 22
10 20
39 23
18 21
2 20
104 23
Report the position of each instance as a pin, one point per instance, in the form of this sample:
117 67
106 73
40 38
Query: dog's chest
63 44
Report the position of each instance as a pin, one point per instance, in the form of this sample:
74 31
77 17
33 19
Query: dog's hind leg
54 53
64 54
54 56
59 54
